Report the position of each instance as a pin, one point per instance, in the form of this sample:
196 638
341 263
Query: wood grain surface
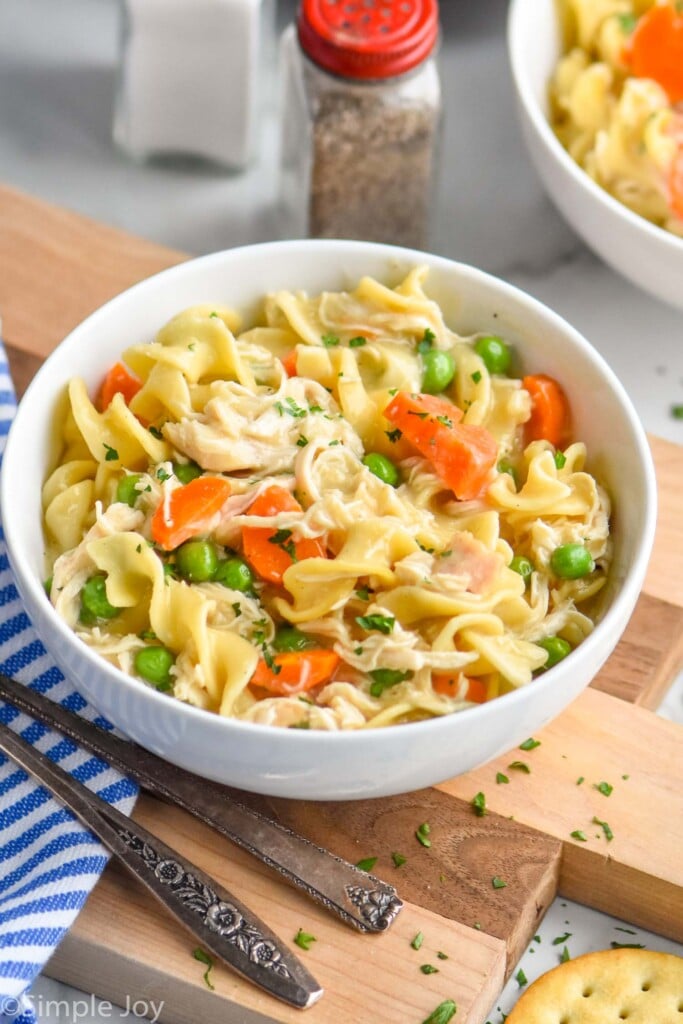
123 944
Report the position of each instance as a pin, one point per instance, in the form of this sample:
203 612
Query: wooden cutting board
55 268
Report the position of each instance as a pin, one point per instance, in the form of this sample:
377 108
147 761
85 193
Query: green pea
571 561
154 664
234 574
289 638
197 560
556 647
494 352
523 566
382 467
126 489
438 370
94 603
186 471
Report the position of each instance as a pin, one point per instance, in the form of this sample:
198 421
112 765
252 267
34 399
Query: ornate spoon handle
358 898
220 922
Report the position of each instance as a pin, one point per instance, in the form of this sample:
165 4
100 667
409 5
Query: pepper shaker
191 78
360 120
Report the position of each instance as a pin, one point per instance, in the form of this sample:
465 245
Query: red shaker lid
368 38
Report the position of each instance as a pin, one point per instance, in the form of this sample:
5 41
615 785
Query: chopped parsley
112 454
381 623
564 956
581 779
331 444
603 787
578 834
442 956
498 883
420 415
329 340
162 475
398 859
530 744
282 539
443 1013
270 662
422 834
520 766
476 376
609 834
303 724
208 962
367 864
562 938
501 778
212 315
363 594
677 412
357 342
358 651
155 432
383 678
479 804
627 22
394 435
302 441
429 969
444 421
521 978
237 608
428 339
629 931
304 939
627 945
560 460
417 941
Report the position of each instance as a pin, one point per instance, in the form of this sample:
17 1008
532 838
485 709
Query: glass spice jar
361 118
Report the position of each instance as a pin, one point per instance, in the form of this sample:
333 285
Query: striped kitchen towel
49 863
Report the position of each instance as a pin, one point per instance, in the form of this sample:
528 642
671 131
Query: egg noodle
336 580
625 130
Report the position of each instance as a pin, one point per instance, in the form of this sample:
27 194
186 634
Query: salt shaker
191 74
360 120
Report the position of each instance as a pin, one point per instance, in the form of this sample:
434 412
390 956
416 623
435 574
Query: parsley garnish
578 834
564 956
237 608
609 834
357 342
282 539
581 779
212 315
363 594
270 662
429 969
520 766
562 938
444 421
476 376
331 444
329 340
112 454
394 435
162 474
428 338
627 945
442 956
398 859
303 724
358 651
417 941
302 441
627 22
629 931
383 678
677 412
382 623
367 864
207 960
498 883
500 778
560 460
155 432
479 804
521 978
422 834
442 1014
304 939
530 744
603 787
420 415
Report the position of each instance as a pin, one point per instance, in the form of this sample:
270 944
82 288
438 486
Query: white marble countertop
57 79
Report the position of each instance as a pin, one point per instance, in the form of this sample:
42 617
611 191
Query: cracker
638 986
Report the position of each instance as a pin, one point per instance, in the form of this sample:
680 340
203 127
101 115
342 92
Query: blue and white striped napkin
49 863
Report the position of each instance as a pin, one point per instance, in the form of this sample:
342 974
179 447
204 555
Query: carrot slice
655 49
449 686
550 414
271 552
189 511
462 454
289 363
119 379
295 671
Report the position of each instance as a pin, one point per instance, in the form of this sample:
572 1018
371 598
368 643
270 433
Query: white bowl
310 764
650 256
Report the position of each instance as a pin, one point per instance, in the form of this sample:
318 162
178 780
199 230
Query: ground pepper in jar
362 106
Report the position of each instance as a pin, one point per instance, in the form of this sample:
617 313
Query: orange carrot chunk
271 552
295 671
449 685
119 380
462 454
289 363
189 511
550 415
655 48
